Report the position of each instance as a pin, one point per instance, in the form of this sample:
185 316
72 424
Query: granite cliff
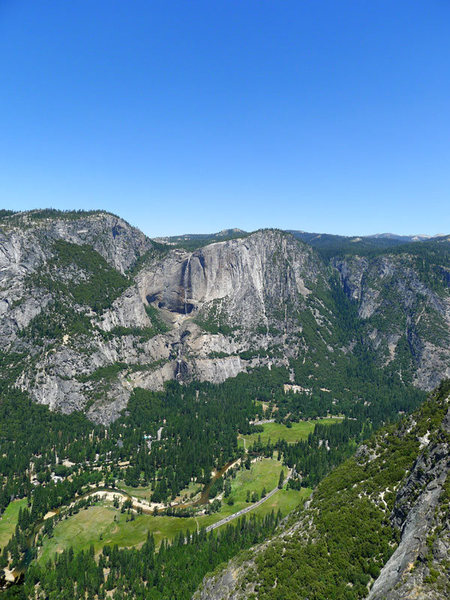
91 308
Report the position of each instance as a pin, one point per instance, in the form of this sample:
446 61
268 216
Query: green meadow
103 524
277 431
8 520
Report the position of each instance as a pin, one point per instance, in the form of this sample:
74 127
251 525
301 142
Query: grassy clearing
104 525
8 520
189 492
284 500
277 431
263 473
145 493
138 492
105 522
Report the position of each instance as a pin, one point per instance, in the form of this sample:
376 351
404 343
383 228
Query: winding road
247 509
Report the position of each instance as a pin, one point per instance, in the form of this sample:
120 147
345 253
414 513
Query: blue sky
189 116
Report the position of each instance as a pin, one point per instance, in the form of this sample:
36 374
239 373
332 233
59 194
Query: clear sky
195 116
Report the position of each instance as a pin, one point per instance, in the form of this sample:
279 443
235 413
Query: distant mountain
406 238
327 244
197 240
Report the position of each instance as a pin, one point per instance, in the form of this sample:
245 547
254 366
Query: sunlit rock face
254 274
260 300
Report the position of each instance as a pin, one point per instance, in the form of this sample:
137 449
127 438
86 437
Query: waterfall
186 283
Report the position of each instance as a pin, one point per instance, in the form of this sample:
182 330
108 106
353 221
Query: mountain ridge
85 292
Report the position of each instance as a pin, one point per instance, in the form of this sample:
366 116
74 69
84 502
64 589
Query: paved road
245 510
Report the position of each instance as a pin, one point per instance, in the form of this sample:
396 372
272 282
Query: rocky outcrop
120 244
406 317
231 297
26 245
424 529
127 311
224 586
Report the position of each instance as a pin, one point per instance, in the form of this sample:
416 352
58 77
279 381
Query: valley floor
8 520
277 431
103 524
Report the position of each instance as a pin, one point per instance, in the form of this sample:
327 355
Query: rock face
406 315
245 280
424 528
26 245
90 308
